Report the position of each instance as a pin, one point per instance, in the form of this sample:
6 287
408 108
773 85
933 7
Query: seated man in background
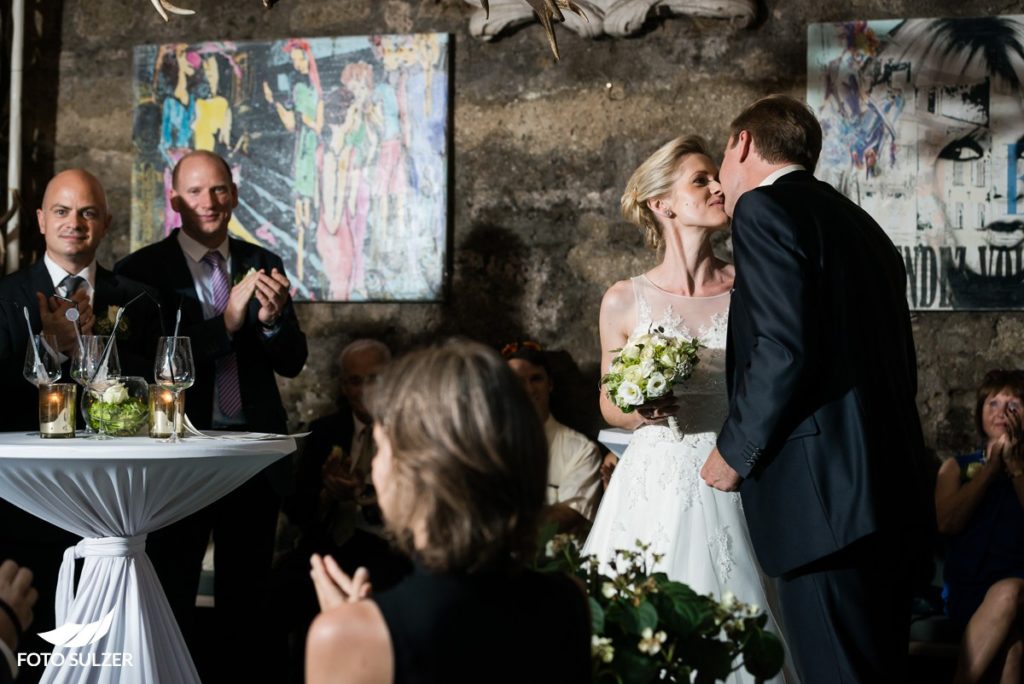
334 505
574 480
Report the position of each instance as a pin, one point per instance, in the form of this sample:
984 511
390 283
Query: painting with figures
338 146
923 122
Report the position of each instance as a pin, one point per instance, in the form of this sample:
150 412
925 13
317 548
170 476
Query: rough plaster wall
541 153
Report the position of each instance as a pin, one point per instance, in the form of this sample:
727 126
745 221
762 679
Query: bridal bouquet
648 628
647 368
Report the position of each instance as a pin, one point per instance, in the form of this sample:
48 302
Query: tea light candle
56 411
162 418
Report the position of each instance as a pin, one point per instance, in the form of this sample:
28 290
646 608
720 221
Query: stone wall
541 153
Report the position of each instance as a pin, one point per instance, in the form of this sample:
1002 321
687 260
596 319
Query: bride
656 495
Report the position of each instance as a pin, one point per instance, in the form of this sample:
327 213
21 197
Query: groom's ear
746 145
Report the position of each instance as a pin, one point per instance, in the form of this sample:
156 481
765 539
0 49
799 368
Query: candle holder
57 411
161 409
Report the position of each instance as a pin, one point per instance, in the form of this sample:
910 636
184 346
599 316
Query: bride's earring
670 214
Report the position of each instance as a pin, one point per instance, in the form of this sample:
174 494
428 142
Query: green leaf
711 659
763 654
596 616
635 667
647 616
684 610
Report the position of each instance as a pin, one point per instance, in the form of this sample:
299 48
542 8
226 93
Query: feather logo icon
72 634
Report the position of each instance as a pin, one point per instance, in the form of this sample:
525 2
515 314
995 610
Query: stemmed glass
94 369
42 361
174 370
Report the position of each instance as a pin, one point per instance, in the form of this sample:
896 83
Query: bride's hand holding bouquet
642 375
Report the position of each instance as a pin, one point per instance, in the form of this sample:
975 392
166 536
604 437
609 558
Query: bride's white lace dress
656 494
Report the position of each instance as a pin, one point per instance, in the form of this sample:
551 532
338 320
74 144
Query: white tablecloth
112 493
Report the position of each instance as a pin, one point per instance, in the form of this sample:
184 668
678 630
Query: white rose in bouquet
114 394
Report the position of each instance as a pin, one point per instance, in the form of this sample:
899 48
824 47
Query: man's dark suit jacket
163 266
822 376
30 541
136 342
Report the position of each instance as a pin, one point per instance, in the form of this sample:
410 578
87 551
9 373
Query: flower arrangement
119 409
105 326
648 628
647 368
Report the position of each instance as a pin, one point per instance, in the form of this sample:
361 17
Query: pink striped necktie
229 396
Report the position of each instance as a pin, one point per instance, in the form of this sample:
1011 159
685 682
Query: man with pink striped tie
242 336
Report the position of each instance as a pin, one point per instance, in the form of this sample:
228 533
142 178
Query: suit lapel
180 281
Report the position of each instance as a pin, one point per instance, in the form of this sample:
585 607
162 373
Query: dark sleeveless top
988 549
517 627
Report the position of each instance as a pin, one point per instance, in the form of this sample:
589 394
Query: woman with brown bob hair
460 474
979 503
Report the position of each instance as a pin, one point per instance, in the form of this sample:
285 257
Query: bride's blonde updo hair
653 180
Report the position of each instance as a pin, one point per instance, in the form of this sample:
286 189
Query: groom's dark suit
243 522
30 541
823 423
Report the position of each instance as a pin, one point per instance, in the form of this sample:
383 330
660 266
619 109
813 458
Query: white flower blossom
728 600
651 642
656 385
608 590
631 352
114 394
601 647
647 366
632 374
629 394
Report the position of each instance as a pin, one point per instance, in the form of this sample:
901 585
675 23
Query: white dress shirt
779 173
58 274
574 477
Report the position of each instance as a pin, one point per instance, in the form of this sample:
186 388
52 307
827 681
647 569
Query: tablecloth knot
95 547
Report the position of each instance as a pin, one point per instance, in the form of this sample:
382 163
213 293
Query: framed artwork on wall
923 124
339 148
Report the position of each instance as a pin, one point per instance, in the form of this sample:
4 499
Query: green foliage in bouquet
122 419
648 628
648 367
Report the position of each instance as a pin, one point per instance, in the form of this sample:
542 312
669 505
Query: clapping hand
333 586
53 314
272 291
17 592
1011 444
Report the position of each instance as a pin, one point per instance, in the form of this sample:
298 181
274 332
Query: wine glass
42 360
174 370
94 366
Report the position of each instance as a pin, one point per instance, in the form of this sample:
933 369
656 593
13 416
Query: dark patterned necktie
71 284
229 396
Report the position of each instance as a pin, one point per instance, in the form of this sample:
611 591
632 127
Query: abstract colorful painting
339 148
923 122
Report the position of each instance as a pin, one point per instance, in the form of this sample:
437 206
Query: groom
823 439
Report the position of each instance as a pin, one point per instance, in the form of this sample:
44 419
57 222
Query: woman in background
979 503
460 474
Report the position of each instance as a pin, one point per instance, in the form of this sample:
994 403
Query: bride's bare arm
618 312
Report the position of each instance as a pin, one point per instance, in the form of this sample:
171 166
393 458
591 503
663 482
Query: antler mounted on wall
593 18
